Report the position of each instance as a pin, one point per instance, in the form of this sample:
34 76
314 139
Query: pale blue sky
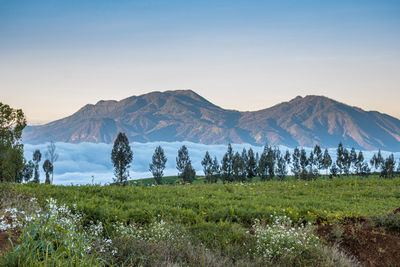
56 56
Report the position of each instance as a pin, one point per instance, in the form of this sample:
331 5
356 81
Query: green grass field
250 224
310 200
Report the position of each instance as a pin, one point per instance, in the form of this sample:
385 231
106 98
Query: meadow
202 224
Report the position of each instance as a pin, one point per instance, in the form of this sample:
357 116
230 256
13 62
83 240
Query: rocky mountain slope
183 115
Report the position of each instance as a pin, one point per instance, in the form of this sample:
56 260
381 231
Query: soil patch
372 246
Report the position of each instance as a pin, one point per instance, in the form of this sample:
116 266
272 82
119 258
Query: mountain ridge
183 115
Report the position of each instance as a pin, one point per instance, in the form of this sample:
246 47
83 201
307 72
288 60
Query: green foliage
121 157
12 122
191 204
184 165
48 169
158 164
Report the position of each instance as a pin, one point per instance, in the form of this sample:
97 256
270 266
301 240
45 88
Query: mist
88 163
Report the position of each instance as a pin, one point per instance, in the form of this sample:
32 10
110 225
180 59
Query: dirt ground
372 246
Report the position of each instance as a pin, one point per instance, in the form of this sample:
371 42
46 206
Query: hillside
183 115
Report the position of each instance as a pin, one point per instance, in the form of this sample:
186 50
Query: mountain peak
183 115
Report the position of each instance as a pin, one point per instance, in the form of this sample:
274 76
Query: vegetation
184 165
121 157
238 224
158 164
12 122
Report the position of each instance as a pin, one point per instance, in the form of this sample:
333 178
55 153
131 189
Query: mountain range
183 115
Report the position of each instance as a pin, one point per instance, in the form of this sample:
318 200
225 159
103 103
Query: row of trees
270 164
13 166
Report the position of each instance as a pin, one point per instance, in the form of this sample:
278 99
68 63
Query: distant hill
183 115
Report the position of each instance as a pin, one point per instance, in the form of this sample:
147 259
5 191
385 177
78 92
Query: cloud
86 162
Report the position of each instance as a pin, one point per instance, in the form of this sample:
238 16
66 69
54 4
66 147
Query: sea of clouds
87 163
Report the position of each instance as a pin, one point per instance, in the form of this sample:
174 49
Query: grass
200 224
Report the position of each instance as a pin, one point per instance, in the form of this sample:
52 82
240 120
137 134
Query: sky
87 163
57 56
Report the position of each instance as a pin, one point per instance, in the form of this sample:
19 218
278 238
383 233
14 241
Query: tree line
270 164
13 166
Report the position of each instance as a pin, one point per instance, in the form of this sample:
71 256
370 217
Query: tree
377 161
287 157
216 170
313 165
271 159
327 161
227 164
334 170
12 122
359 163
353 159
245 161
296 163
303 164
251 166
158 164
52 156
281 168
238 168
48 169
184 165
27 171
340 158
37 156
319 158
346 162
207 167
388 167
262 168
121 157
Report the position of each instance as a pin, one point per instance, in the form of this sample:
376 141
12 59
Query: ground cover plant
251 224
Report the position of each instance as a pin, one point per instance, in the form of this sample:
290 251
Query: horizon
59 56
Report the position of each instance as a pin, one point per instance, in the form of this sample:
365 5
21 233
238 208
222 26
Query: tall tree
296 169
238 168
48 169
157 165
303 164
319 158
359 163
271 161
377 161
313 165
281 170
263 164
184 165
340 158
346 163
227 164
121 157
52 156
353 160
27 171
245 161
251 166
216 170
12 122
327 161
207 167
37 156
388 167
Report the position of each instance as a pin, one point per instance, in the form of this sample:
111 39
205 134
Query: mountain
183 115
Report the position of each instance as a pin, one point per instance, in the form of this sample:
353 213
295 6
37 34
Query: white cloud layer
85 163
